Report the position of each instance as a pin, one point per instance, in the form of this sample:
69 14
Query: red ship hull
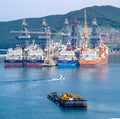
33 64
13 64
93 63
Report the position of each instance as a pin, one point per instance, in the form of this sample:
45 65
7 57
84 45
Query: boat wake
59 78
31 81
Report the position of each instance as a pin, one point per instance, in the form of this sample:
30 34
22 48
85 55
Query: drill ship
24 54
67 57
93 51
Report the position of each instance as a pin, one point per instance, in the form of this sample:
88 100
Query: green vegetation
105 15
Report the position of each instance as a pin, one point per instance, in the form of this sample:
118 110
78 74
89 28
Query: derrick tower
45 36
65 33
24 36
95 36
74 33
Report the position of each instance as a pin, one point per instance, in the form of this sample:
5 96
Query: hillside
106 16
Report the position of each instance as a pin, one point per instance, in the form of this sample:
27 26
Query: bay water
23 92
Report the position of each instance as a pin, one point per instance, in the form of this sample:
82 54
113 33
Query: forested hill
105 15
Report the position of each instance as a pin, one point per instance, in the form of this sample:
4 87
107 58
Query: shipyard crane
85 29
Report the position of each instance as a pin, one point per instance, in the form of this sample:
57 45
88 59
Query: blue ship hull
67 63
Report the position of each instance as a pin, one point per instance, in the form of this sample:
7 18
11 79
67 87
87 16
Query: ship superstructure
67 58
13 58
34 56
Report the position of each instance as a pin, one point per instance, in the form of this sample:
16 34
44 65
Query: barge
68 99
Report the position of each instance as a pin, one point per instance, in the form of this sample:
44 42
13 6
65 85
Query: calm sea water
23 92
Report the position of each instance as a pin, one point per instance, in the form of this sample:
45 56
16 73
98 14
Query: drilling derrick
65 33
85 29
44 37
74 33
25 37
95 36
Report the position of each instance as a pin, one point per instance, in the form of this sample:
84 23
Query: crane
85 29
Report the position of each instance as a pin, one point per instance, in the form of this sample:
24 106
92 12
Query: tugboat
48 62
68 99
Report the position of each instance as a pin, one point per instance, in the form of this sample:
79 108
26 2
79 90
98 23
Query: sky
18 9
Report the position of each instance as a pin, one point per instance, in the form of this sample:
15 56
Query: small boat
68 99
61 77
